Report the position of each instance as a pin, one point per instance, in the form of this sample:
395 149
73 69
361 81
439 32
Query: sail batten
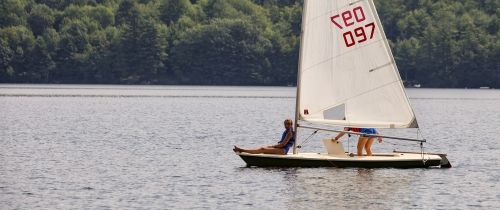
327 108
348 76
377 124
329 59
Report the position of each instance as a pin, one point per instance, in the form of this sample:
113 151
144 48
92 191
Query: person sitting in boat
364 141
281 148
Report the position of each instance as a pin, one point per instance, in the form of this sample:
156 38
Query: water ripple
113 147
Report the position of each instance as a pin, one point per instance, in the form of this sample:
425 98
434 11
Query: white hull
337 157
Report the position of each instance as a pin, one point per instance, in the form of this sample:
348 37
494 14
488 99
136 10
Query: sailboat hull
386 160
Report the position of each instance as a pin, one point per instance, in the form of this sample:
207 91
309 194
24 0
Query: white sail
347 69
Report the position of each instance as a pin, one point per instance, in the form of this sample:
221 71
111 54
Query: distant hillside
230 42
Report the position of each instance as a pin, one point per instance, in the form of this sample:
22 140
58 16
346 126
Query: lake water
169 147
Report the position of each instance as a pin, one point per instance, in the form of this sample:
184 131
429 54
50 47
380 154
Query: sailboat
347 77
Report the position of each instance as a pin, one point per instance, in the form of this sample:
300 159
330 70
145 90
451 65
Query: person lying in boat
281 148
364 140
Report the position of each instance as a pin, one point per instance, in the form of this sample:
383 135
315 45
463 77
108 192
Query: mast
297 99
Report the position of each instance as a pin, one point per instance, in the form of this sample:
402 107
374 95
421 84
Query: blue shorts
368 131
285 149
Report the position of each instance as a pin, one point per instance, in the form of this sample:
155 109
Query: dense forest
437 43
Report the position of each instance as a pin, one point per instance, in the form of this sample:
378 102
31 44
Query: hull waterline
396 160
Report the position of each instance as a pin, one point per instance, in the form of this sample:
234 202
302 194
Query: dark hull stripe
288 162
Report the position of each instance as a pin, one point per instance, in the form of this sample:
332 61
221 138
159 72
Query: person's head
288 123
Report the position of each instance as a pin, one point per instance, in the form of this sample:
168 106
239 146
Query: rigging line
423 153
348 143
421 134
307 139
358 133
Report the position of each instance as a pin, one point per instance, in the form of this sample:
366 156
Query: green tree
143 45
12 13
39 63
6 54
74 48
19 42
41 18
436 43
226 51
172 10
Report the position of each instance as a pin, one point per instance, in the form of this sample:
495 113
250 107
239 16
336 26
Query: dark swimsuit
290 142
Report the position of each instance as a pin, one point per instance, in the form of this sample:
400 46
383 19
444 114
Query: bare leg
361 145
368 146
262 150
236 148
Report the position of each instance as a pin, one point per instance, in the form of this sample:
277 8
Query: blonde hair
289 121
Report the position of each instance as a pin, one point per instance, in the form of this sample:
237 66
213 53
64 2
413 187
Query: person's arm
340 135
379 138
288 136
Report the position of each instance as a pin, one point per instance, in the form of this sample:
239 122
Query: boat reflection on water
343 188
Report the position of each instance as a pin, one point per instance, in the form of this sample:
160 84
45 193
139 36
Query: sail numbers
347 19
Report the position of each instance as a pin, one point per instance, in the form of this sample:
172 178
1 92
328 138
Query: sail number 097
347 19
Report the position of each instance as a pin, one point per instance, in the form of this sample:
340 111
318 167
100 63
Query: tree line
230 42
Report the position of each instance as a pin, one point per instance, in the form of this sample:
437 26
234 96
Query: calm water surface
169 147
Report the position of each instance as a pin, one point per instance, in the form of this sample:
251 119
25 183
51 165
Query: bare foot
237 149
